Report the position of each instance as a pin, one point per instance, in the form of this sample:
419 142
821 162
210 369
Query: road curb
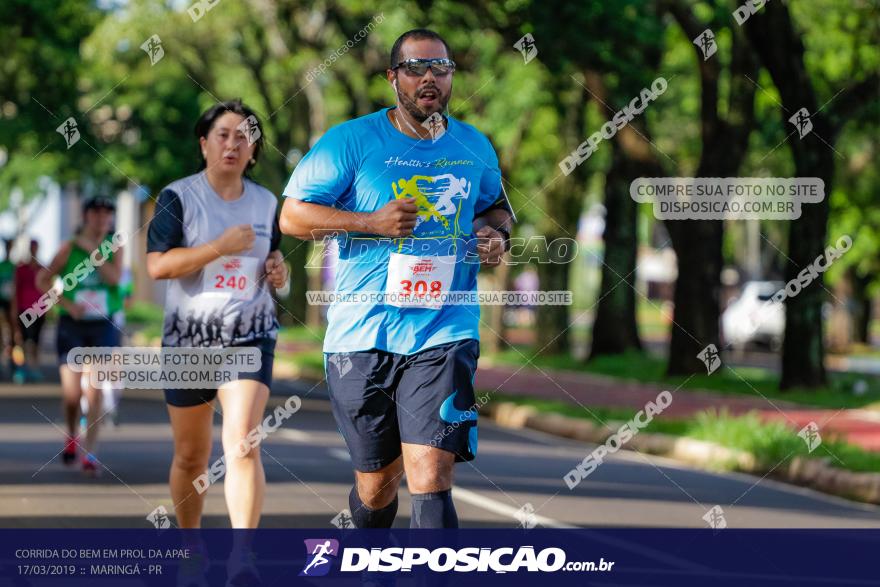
810 472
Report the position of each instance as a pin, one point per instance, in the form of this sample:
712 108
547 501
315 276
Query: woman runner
215 238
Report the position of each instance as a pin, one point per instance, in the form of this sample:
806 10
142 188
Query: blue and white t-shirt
360 166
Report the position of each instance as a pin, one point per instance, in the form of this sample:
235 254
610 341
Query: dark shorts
76 333
381 399
184 398
32 332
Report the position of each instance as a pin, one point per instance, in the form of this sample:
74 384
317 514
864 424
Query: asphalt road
309 477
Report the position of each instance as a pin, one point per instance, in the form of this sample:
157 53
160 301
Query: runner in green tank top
90 273
99 299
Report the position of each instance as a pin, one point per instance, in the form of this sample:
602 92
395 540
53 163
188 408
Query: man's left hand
490 246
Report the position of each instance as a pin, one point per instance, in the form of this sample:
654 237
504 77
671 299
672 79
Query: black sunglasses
420 66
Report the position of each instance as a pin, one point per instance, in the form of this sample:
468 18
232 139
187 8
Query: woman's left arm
276 269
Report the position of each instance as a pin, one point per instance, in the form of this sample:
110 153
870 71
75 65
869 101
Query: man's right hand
235 239
395 219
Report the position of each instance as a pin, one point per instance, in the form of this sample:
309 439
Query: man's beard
417 113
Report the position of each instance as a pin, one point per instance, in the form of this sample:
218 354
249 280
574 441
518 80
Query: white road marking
487 503
294 435
339 453
502 509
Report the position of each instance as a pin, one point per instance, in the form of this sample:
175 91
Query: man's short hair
416 34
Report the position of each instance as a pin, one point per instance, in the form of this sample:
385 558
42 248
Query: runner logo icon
321 552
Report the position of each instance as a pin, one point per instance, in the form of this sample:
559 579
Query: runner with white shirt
419 198
215 239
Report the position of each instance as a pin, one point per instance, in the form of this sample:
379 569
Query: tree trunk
563 201
294 305
614 328
863 325
697 243
862 308
494 341
552 322
803 351
780 48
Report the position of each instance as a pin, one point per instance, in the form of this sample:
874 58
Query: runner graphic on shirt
174 329
214 327
434 197
237 330
193 327
211 328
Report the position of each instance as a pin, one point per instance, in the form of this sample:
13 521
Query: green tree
779 44
38 92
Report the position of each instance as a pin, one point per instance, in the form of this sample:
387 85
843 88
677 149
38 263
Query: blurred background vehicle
753 317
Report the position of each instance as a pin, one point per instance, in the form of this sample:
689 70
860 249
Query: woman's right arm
181 261
168 258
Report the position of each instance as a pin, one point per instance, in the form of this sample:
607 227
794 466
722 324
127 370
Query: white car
753 317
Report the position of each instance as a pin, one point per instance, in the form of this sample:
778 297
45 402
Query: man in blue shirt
417 199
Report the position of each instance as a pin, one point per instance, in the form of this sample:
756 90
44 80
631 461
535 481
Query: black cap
99 202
